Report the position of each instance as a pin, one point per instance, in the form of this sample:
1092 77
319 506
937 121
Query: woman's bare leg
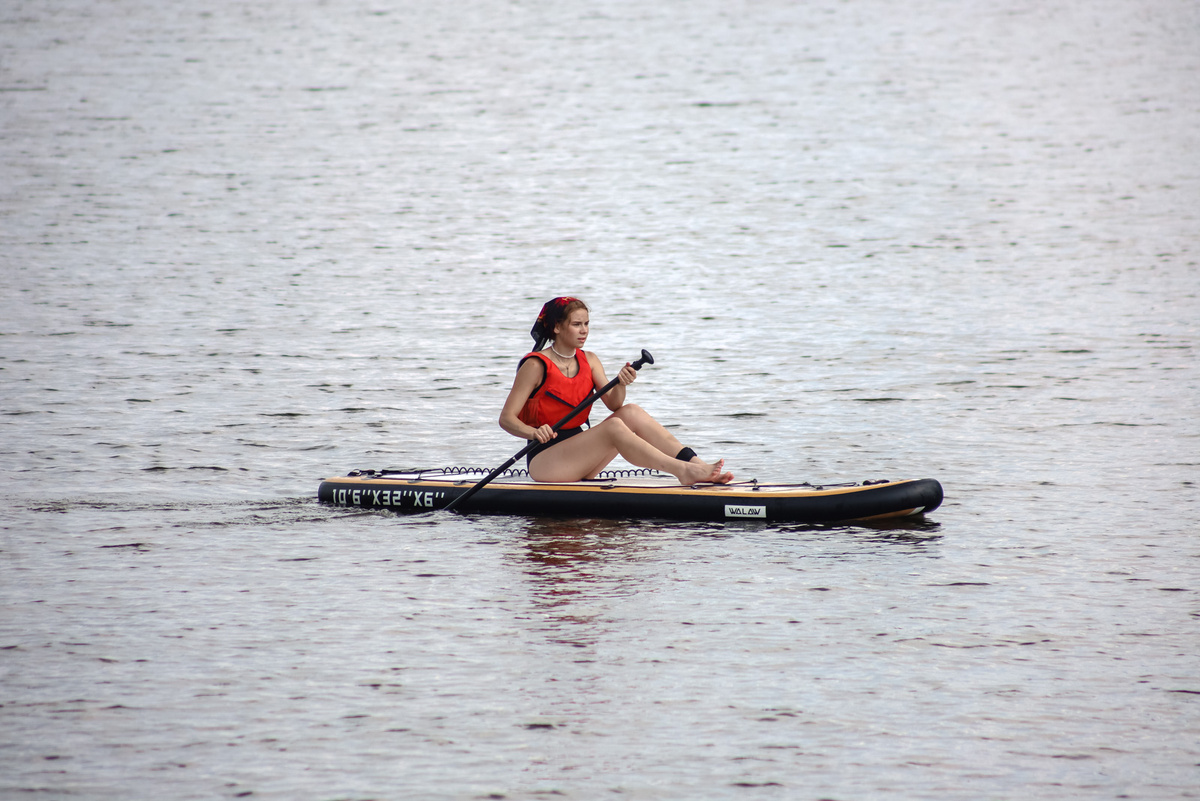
645 426
586 454
641 423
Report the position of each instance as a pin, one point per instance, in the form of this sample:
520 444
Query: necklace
559 355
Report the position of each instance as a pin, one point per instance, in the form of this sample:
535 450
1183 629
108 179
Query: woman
553 381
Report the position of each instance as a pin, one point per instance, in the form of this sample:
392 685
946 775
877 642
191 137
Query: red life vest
557 394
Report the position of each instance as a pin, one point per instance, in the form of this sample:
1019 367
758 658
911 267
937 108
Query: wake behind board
631 494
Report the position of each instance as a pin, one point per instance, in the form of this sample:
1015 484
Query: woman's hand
545 433
627 375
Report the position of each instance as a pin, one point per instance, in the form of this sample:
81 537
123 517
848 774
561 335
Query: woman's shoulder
534 360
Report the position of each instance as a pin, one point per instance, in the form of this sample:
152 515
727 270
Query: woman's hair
572 306
553 312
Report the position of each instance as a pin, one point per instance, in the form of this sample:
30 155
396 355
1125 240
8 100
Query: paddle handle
645 359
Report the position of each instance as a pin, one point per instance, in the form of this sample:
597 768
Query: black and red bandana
550 316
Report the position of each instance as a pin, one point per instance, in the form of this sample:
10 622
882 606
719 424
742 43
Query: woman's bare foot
699 472
719 477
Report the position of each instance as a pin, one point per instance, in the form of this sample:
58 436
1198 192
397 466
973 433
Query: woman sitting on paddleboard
553 381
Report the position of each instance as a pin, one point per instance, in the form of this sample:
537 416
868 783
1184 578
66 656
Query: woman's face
572 332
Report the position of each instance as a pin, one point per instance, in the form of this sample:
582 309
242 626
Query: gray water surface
244 247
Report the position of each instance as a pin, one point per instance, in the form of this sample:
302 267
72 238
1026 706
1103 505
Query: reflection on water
572 564
578 571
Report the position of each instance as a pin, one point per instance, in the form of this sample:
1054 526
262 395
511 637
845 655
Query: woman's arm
615 398
523 386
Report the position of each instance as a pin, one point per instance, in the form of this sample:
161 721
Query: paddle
586 402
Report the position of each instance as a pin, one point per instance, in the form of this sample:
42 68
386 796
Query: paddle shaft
586 402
